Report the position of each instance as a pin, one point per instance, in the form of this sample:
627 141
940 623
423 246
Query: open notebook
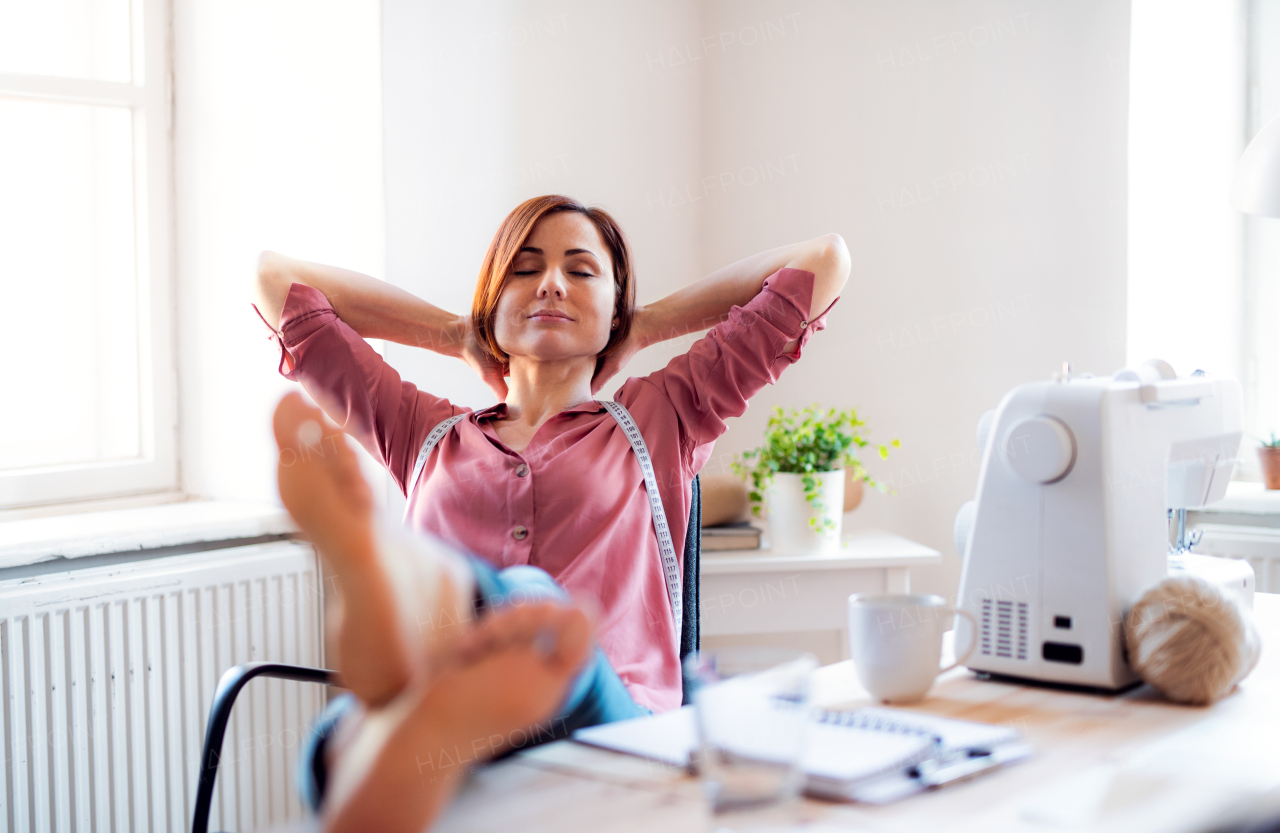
844 750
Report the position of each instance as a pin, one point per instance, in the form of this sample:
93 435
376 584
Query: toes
502 629
574 640
300 425
318 473
304 434
510 626
559 634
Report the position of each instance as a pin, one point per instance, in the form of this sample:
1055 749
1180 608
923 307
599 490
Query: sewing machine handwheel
1040 449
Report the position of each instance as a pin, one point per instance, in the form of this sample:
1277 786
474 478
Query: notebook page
953 734
668 737
834 752
845 754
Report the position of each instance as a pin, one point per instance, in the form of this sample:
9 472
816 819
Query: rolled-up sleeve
353 384
731 363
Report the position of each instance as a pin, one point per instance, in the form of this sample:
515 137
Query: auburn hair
511 237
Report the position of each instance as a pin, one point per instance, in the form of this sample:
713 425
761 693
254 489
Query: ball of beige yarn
1190 640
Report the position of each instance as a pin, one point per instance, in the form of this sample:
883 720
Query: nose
553 284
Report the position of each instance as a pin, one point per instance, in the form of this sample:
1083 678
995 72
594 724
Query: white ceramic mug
896 643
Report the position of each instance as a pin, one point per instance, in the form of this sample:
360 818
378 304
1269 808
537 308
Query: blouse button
804 324
521 471
519 533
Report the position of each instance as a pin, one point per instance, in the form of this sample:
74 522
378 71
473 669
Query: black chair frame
223 699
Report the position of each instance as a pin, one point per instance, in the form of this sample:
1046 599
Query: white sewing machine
1071 521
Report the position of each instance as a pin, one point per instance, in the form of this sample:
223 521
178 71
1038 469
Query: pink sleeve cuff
714 380
784 301
305 311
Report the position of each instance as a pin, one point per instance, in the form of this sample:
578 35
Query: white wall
971 153
1186 131
278 144
490 104
973 156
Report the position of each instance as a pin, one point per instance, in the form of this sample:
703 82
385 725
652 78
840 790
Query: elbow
834 253
831 271
271 286
271 281
828 257
268 269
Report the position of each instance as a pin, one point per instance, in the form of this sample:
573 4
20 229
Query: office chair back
223 699
690 631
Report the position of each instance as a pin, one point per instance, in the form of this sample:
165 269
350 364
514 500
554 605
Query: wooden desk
757 592
1174 763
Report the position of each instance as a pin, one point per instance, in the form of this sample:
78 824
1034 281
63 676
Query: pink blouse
574 501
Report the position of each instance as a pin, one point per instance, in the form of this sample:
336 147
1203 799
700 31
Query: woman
547 477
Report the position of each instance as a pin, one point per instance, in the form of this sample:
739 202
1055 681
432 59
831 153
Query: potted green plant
1269 457
800 473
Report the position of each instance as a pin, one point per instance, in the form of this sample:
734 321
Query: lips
548 315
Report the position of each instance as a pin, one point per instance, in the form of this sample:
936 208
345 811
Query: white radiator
1259 545
108 674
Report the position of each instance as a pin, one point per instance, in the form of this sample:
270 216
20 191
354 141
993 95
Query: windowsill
139 530
1246 498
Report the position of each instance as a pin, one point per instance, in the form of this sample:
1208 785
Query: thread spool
1190 640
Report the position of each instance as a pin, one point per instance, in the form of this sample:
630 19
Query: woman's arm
706 303
373 308
376 309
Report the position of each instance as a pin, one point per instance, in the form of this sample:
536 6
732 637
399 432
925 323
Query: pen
966 763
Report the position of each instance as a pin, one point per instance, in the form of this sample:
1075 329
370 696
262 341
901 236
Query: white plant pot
789 514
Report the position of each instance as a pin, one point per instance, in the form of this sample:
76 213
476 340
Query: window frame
149 98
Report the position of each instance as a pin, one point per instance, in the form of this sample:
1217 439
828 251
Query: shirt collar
590 406
499 411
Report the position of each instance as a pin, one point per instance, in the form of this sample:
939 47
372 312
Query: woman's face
558 301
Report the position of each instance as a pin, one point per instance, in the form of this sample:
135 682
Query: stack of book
735 536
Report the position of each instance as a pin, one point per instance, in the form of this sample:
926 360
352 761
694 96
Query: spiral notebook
844 749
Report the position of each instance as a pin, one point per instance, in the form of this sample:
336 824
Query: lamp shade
1256 188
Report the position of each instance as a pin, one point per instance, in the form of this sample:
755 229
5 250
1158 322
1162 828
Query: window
86 361
1262 234
1204 278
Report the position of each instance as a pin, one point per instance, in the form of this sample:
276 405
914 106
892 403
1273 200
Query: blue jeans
597 695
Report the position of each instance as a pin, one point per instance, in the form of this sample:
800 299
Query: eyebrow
535 250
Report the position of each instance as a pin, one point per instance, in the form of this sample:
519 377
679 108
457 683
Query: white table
757 591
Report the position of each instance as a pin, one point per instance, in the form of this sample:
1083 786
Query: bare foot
321 486
508 675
